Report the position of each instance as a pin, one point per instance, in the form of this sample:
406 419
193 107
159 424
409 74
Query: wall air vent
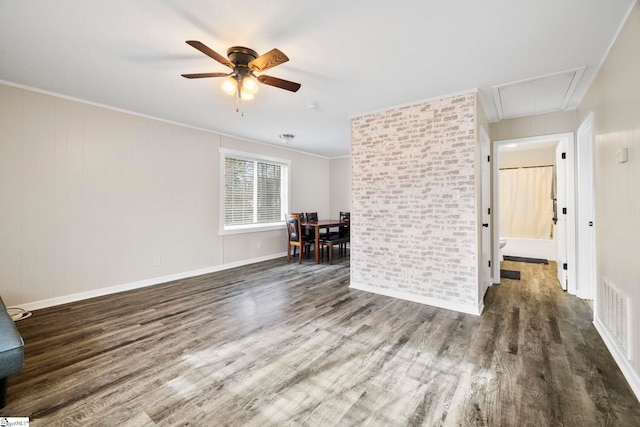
615 310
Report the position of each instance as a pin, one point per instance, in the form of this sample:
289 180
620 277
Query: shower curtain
526 206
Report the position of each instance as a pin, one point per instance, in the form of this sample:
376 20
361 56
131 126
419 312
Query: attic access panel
538 95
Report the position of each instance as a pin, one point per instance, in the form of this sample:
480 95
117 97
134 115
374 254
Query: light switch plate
621 155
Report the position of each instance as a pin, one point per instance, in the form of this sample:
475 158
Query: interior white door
586 271
561 204
486 208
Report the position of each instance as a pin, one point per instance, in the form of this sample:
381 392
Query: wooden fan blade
268 60
282 84
210 53
203 75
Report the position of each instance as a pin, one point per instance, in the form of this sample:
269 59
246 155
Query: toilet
503 242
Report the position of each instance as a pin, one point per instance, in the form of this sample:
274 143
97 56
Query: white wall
340 182
614 98
527 158
540 124
90 197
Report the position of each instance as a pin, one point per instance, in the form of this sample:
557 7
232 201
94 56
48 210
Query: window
255 192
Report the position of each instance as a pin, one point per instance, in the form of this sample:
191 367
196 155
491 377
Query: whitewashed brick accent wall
414 222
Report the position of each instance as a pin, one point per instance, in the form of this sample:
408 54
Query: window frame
255 227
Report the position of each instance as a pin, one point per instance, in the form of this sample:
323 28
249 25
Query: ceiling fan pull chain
239 99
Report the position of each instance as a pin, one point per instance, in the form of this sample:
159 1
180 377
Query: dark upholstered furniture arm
11 350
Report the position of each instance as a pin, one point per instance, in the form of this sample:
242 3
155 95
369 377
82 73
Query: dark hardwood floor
277 343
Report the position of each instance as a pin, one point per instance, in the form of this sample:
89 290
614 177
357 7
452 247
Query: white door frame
586 210
487 263
560 229
571 211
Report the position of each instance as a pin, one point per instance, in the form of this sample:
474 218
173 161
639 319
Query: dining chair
345 217
329 241
302 217
306 231
297 239
313 216
344 231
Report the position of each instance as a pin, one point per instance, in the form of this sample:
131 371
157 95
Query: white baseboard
476 311
619 356
36 305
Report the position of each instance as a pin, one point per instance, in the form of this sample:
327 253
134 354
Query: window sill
257 228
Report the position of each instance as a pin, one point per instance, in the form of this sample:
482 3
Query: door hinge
489 211
489 263
564 155
565 266
564 211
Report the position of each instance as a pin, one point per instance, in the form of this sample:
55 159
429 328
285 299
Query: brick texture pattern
414 223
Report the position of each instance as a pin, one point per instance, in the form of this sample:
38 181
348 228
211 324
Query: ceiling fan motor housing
241 56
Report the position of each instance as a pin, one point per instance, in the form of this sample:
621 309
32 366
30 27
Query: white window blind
255 191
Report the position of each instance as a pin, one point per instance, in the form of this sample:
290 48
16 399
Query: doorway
565 225
586 209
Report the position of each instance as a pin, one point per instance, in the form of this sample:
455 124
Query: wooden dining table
317 225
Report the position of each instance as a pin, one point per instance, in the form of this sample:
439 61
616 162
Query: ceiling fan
243 63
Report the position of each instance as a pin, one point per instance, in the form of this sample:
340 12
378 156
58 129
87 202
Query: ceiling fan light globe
246 96
249 86
229 86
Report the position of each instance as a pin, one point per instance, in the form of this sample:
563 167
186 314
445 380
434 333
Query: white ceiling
351 57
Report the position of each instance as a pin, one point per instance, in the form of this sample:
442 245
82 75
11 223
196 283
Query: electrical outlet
157 261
